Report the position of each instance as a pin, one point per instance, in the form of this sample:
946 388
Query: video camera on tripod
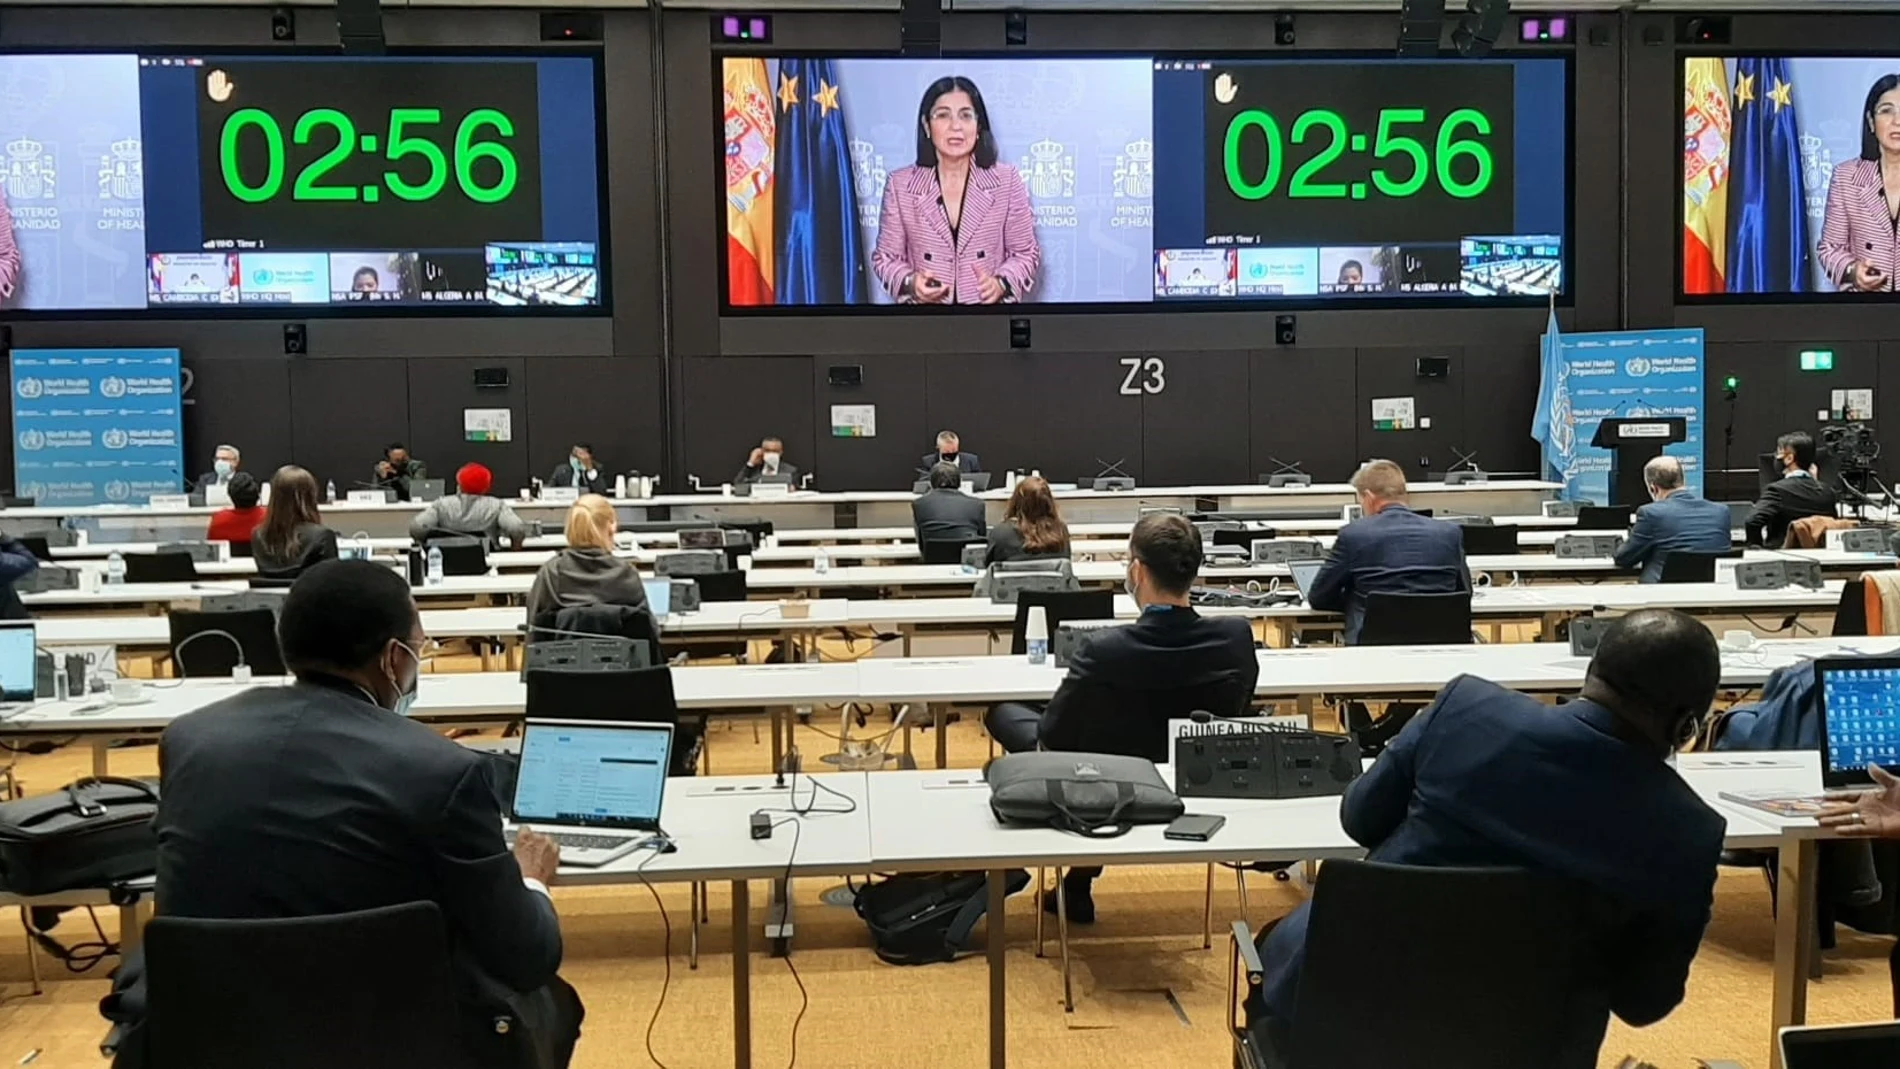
1850 453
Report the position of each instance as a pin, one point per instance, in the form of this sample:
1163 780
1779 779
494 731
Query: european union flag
820 255
1768 249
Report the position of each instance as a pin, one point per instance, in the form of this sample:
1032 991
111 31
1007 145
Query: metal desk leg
1207 912
100 748
692 951
778 747
999 1024
741 976
131 926
32 949
1794 945
940 721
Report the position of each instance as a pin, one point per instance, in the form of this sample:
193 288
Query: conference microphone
1202 716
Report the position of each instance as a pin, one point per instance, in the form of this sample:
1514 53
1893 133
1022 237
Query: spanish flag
749 137
1705 173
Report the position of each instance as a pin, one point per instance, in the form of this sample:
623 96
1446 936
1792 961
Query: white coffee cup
127 690
1738 639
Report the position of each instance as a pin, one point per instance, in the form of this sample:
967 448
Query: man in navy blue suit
1585 791
950 451
1390 550
1678 519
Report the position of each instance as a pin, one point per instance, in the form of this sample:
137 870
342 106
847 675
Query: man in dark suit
950 451
1797 494
945 513
582 472
1583 791
1127 682
1389 550
224 464
1677 519
357 806
767 462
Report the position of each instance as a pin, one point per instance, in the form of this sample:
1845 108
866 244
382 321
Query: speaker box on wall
1285 329
359 24
296 340
1421 22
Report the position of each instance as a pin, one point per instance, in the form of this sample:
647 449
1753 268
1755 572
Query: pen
31 1055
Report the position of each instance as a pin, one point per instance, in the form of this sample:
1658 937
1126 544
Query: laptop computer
426 489
1860 717
18 669
1848 1046
593 786
659 596
1304 572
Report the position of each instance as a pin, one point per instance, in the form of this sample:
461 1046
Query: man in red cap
470 511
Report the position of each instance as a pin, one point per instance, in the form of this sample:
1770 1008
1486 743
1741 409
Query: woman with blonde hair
586 573
1031 527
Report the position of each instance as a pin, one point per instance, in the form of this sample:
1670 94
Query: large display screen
856 182
1782 195
405 182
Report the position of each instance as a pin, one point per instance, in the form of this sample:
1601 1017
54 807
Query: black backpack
927 917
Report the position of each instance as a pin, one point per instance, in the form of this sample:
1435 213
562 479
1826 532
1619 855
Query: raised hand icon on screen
1225 89
218 86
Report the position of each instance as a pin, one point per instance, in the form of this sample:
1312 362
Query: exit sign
1817 360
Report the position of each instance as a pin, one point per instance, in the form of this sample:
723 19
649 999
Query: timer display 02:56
359 155
1358 154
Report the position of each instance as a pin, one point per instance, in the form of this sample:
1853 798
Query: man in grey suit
945 513
1677 520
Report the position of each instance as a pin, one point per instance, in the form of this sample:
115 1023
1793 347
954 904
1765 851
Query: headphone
1685 723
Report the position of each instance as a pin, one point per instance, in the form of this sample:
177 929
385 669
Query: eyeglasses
1887 111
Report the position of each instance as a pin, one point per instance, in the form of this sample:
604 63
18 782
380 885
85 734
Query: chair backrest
1489 539
614 621
946 550
36 545
461 554
1511 1005
643 695
1417 619
1850 615
1604 518
241 992
1058 606
221 603
721 586
241 549
1692 566
160 568
254 629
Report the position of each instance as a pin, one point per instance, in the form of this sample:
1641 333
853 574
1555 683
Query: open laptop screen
592 773
1860 716
659 596
1853 1046
16 661
1304 571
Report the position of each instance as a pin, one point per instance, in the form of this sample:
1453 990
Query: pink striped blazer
996 234
1857 225
9 252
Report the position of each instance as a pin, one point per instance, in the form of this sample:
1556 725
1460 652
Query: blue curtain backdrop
1768 246
820 257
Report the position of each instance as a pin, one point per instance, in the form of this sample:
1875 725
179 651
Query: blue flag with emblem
1768 248
1551 425
820 254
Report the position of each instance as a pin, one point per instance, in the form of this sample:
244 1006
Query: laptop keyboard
570 840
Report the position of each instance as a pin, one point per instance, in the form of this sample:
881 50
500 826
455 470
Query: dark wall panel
1760 411
895 384
1301 411
612 403
1499 382
1195 429
732 402
1052 413
244 402
1425 451
375 393
439 391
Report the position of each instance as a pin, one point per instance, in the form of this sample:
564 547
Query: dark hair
772 438
583 445
1032 508
1170 548
1869 144
392 447
370 271
1355 266
293 503
243 490
945 476
985 155
1801 444
341 614
1662 666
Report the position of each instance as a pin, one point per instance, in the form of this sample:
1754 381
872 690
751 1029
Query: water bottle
821 561
435 565
329 492
1036 635
115 568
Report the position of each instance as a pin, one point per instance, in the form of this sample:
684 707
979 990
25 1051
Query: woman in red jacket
235 524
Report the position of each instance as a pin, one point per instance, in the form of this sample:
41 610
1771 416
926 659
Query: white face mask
771 461
405 699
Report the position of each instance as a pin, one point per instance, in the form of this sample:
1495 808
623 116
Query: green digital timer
1458 136
410 136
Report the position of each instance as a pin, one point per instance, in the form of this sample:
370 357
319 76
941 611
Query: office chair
1508 1006
1489 539
620 623
1058 606
461 554
721 586
1244 537
641 695
255 630
240 550
249 600
1691 566
1603 518
1417 620
240 992
947 550
160 568
36 545
267 582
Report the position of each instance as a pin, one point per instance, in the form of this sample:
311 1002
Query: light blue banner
96 426
1628 374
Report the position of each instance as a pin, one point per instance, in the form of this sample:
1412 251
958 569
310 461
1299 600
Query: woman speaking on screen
1859 247
957 228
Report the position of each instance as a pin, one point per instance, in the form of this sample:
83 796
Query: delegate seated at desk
397 470
292 538
225 461
944 513
950 451
1584 791
1032 527
767 462
582 472
585 587
356 806
235 524
470 511
1676 520
16 563
1389 550
1124 684
1797 494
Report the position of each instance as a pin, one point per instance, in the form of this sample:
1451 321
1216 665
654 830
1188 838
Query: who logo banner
97 426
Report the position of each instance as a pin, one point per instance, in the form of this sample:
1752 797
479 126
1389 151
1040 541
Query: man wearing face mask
225 463
767 464
581 471
356 806
1126 682
1582 791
